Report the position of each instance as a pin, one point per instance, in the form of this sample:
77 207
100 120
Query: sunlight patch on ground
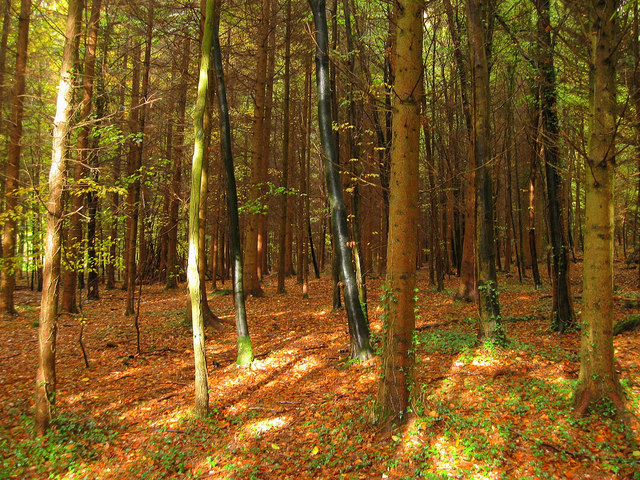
259 427
305 365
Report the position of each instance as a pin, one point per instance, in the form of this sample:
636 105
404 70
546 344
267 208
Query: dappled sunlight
259 427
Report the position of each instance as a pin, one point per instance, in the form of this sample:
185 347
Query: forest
276 239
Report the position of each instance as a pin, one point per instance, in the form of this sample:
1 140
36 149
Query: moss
245 351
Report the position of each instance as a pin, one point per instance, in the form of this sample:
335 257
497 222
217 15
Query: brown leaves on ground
303 410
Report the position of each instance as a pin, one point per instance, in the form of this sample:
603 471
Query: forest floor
303 410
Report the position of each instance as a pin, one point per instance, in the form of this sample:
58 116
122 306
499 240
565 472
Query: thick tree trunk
598 379
358 327
46 376
397 361
12 180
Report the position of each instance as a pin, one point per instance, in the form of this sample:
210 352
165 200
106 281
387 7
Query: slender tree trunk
286 143
12 181
46 376
489 306
176 178
358 327
199 152
133 189
135 164
84 154
4 39
398 359
252 281
245 349
598 380
562 314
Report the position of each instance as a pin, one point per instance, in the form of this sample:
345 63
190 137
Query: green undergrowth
71 443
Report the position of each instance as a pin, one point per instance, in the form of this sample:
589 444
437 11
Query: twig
82 322
137 318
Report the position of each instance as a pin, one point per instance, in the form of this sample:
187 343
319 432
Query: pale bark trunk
46 376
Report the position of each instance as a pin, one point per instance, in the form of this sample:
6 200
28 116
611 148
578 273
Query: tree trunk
562 315
489 306
46 376
199 152
358 327
598 380
176 178
252 281
12 181
85 156
133 189
398 358
286 153
245 349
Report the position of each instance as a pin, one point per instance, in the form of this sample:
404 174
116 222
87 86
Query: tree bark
193 274
562 314
398 359
252 281
12 181
46 376
176 178
84 154
478 12
358 327
245 349
286 153
598 380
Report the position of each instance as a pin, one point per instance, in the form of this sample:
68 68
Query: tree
598 380
12 181
478 16
84 154
562 315
397 361
358 327
251 258
245 349
46 376
193 274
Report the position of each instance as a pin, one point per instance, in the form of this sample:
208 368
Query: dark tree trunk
12 180
245 349
562 315
359 329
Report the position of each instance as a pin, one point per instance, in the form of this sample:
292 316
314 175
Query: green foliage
71 442
446 341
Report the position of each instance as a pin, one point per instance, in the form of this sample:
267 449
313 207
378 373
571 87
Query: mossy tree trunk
245 349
